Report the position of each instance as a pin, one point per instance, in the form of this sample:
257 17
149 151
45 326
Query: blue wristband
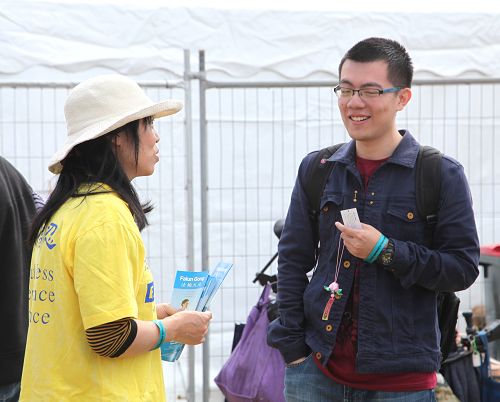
163 333
379 250
376 250
377 244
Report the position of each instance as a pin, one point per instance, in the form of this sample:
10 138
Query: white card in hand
351 218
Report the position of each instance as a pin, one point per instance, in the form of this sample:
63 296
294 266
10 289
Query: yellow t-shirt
88 268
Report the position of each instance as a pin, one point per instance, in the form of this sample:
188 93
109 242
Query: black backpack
428 185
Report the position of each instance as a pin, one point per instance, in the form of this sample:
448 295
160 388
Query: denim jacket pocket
331 204
403 221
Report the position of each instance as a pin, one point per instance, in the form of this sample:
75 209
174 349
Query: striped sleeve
113 338
38 200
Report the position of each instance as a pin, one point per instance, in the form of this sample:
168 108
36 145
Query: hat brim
156 110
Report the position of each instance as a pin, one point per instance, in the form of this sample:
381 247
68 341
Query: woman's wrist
170 328
162 333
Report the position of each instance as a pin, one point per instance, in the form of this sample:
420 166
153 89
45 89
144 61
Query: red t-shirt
341 366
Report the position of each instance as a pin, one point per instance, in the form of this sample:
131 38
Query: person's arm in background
296 257
38 200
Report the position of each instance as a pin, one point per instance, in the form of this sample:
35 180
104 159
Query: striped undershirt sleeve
39 201
113 338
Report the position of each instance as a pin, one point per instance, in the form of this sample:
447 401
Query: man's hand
298 361
359 242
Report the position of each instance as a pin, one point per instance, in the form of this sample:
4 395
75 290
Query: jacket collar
405 153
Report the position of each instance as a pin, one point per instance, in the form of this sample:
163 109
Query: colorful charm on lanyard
333 288
335 294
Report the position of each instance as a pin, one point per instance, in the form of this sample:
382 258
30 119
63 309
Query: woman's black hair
90 162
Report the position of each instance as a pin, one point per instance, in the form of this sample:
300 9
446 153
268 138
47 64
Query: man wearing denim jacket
364 327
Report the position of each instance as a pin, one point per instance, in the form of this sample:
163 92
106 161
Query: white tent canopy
257 137
57 40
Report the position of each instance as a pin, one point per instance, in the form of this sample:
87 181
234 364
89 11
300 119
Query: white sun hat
101 104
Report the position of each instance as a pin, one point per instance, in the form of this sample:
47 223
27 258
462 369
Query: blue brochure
213 283
193 291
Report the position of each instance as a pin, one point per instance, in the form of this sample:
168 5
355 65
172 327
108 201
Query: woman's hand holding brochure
189 327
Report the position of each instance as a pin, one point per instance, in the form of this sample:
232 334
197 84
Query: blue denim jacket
397 323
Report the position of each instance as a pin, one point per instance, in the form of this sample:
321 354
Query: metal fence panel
257 134
32 127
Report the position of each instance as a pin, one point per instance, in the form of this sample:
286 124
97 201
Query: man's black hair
399 64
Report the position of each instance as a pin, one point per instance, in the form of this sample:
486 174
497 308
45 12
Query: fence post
204 209
188 146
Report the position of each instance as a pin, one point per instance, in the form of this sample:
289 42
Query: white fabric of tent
68 41
57 40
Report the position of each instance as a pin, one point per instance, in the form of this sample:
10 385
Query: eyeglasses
367 93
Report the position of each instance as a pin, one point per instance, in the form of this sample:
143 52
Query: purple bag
254 370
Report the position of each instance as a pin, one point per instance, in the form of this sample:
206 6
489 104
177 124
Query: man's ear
404 96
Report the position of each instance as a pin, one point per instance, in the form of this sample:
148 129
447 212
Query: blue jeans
305 382
10 392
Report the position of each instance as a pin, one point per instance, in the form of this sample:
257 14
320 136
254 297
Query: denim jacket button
325 209
347 264
410 215
318 355
329 328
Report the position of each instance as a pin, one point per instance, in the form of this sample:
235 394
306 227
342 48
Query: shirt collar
93 188
405 153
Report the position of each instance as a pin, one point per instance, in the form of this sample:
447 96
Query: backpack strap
428 190
428 185
448 305
316 177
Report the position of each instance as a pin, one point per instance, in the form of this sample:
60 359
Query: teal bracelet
163 333
376 250
370 256
379 250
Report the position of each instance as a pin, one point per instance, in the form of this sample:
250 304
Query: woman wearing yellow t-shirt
94 327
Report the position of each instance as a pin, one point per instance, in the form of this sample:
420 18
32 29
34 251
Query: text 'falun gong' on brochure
193 291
